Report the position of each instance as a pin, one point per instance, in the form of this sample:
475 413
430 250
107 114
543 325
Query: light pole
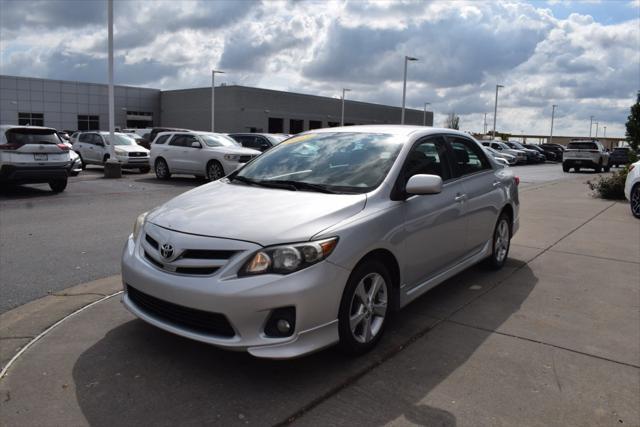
112 119
485 124
495 110
213 98
344 89
604 134
553 110
424 117
590 126
597 123
404 84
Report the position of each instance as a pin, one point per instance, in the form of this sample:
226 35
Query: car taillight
10 146
633 165
517 180
63 147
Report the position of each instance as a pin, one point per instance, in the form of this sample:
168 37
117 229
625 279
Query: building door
296 126
276 125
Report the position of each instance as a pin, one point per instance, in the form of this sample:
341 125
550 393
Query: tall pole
213 98
604 135
485 124
590 126
424 116
495 110
344 89
404 85
553 110
112 119
597 123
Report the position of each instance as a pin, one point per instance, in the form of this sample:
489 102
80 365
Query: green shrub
610 187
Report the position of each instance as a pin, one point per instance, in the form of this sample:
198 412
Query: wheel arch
388 259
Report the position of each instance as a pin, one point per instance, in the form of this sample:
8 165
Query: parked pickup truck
589 154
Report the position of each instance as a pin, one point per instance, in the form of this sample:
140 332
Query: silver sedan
316 241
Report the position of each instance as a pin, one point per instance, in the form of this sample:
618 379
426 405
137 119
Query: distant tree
633 125
452 121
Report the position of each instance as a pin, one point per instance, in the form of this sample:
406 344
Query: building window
315 124
88 123
296 126
333 124
139 119
33 119
276 125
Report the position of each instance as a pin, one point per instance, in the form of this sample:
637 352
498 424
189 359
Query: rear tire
577 169
162 169
84 165
58 185
500 244
565 168
635 200
365 307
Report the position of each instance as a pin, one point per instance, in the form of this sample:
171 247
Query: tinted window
31 136
428 157
161 139
582 146
85 137
96 139
217 140
177 141
469 157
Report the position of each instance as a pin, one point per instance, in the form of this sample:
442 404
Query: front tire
565 168
365 307
500 244
58 185
162 169
214 170
635 200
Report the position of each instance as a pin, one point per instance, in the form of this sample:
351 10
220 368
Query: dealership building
72 105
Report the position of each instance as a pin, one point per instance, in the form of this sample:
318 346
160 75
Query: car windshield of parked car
219 141
341 162
122 140
582 146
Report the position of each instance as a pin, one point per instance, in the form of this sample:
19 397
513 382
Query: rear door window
85 137
161 139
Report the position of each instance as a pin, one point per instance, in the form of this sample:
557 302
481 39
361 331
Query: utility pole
495 110
597 123
344 89
112 119
485 124
553 110
213 98
424 117
404 85
590 126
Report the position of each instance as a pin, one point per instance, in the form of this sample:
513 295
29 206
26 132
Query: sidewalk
552 339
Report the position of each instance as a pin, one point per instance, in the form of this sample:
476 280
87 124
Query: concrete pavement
552 339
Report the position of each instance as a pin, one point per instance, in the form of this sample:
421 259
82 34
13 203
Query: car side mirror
196 144
264 146
424 184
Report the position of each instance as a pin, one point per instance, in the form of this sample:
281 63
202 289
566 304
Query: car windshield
121 139
582 146
516 145
343 162
214 140
20 136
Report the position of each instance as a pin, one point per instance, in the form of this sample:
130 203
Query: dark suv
620 156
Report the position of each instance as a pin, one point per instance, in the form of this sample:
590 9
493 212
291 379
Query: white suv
97 147
203 154
585 154
33 154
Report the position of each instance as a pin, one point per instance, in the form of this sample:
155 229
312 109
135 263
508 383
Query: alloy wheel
214 171
368 308
501 241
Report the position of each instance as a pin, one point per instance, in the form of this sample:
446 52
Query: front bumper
132 162
246 302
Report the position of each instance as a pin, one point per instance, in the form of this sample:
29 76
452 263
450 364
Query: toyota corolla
319 239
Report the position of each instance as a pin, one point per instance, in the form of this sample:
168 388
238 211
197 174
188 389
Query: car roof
7 127
396 130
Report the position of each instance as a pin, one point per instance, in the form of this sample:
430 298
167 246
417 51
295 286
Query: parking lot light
495 110
590 126
344 89
553 110
213 98
404 84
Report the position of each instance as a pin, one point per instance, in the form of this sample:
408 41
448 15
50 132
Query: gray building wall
62 101
241 109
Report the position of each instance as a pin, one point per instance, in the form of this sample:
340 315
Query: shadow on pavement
10 191
140 375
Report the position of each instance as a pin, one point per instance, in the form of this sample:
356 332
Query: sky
583 56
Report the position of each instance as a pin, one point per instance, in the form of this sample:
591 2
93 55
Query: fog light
281 322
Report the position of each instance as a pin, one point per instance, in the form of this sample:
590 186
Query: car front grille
199 321
245 159
137 154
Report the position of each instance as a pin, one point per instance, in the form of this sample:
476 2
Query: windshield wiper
301 185
265 183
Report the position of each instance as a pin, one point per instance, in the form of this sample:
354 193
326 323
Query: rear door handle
496 183
460 197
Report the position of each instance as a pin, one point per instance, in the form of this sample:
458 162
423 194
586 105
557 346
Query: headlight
287 259
120 152
137 226
232 157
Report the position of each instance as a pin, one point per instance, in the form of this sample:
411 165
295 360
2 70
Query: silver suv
316 241
33 154
589 154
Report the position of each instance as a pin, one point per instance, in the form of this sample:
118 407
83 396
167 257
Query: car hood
256 214
131 148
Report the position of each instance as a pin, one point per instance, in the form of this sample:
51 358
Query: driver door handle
460 197
496 183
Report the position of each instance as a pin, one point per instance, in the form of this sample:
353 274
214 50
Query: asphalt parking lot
551 339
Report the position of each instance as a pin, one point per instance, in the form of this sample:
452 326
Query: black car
557 149
620 156
533 156
259 141
548 154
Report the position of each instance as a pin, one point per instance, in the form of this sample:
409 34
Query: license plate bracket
40 157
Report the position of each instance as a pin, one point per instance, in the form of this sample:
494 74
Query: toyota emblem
166 250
